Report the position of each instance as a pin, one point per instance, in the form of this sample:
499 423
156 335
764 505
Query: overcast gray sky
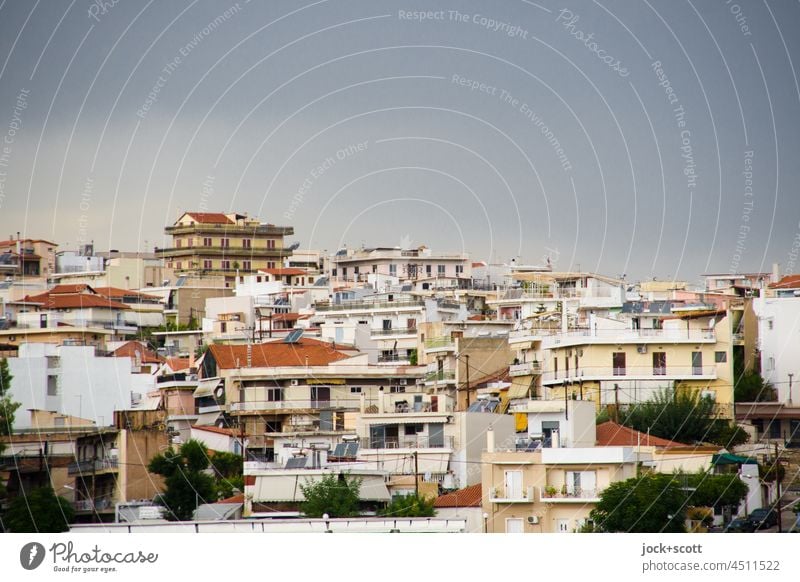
656 138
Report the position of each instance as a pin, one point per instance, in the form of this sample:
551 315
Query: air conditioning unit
533 519
295 382
642 349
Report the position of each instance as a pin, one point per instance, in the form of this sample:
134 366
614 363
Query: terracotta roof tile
117 293
291 271
129 349
467 497
305 351
611 434
73 301
178 364
787 282
210 217
215 429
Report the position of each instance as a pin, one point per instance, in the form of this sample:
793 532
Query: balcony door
513 484
320 396
618 363
697 363
659 363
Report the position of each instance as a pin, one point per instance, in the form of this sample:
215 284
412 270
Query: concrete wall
779 327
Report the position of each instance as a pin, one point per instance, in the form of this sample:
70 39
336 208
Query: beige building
27 258
213 243
552 490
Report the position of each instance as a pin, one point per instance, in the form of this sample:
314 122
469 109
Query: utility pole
616 403
466 357
790 388
780 493
416 473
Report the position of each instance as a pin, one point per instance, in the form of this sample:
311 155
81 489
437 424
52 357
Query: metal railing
92 504
503 494
440 342
525 369
440 376
407 442
92 466
634 372
394 331
296 404
364 304
576 493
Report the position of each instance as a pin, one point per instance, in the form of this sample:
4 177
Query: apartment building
214 243
382 266
27 258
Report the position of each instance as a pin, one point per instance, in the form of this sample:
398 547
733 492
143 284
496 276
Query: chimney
776 273
362 405
490 440
381 408
556 439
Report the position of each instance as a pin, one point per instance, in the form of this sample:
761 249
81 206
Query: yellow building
213 243
611 363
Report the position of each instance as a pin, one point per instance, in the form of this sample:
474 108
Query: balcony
440 344
394 359
441 376
295 404
220 251
407 442
368 305
394 331
610 373
231 229
628 336
577 495
103 504
504 495
92 467
525 369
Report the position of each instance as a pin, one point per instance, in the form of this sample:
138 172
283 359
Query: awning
208 419
206 387
731 459
325 381
405 418
520 385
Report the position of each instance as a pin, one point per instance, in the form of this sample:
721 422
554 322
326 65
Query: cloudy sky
656 139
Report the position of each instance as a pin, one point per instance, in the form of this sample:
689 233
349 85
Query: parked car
740 525
763 517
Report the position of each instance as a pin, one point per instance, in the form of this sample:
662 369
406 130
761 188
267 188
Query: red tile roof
177 364
235 499
130 349
306 351
13 242
787 282
285 317
72 288
210 217
116 292
215 429
73 301
611 434
467 497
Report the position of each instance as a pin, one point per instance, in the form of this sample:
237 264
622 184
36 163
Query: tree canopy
40 511
409 506
188 483
683 415
336 495
651 503
751 387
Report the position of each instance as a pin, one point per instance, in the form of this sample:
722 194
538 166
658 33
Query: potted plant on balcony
550 491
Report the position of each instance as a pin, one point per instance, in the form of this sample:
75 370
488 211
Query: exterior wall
472 515
487 357
779 326
576 431
471 443
136 448
86 386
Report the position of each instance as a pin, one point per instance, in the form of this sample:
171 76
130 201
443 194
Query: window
774 429
393 270
355 389
581 483
659 363
246 243
206 264
397 389
387 324
224 242
355 270
178 243
770 324
618 363
697 363
459 269
414 429
190 242
273 426
270 243
440 270
515 525
52 385
374 268
333 272
428 270
223 327
720 357
178 265
274 394
207 241
225 265
246 265
270 264
344 272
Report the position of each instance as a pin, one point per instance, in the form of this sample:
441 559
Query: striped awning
520 385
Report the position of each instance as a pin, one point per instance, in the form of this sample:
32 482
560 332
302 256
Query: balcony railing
440 376
296 404
440 343
576 495
93 505
631 373
361 305
92 466
508 495
525 369
394 359
407 442
394 331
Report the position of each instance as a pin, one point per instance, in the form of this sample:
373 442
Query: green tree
681 415
8 407
187 481
336 495
751 387
409 506
40 511
708 490
227 468
651 503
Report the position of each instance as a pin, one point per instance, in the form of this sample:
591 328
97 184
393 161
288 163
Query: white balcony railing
525 369
505 495
630 373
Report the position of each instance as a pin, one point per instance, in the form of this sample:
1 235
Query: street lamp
485 523
327 517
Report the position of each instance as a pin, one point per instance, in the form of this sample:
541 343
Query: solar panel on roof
338 450
296 463
351 450
293 337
